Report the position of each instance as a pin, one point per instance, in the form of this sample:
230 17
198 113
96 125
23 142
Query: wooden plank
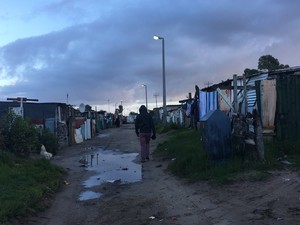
268 102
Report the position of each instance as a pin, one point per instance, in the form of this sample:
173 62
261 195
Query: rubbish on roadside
151 217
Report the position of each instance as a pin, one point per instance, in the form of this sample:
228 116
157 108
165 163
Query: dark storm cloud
110 57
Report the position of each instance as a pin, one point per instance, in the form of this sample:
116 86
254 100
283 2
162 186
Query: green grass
24 185
191 161
170 126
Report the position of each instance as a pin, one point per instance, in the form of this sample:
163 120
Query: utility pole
156 95
21 100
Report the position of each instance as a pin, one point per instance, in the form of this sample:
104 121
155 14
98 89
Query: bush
20 137
49 141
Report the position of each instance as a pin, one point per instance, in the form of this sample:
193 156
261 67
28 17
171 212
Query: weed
191 161
24 184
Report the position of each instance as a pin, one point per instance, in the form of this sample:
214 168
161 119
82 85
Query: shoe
143 160
147 158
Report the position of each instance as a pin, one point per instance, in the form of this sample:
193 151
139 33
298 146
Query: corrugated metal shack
287 122
54 116
216 134
275 94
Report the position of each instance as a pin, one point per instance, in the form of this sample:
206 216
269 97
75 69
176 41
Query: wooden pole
258 136
245 94
235 99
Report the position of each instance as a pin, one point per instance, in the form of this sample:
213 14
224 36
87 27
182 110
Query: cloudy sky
100 52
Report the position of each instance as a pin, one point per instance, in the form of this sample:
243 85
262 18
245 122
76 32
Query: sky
101 52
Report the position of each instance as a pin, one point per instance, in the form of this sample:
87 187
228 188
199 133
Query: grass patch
191 161
164 129
24 184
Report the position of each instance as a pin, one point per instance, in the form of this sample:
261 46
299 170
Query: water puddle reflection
88 195
103 135
110 166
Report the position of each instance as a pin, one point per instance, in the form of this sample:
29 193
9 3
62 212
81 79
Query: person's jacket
144 122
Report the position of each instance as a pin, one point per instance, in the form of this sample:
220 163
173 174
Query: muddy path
159 197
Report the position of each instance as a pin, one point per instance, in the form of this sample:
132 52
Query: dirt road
161 198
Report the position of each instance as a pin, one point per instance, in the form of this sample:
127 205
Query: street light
164 79
155 95
144 85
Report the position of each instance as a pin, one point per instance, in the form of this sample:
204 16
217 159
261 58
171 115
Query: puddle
103 135
109 166
88 195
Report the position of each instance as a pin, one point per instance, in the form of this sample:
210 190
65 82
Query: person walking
145 130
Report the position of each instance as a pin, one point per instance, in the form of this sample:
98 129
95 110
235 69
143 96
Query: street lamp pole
144 85
164 80
155 95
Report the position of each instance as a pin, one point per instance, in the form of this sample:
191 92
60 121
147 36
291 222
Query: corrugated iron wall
288 107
